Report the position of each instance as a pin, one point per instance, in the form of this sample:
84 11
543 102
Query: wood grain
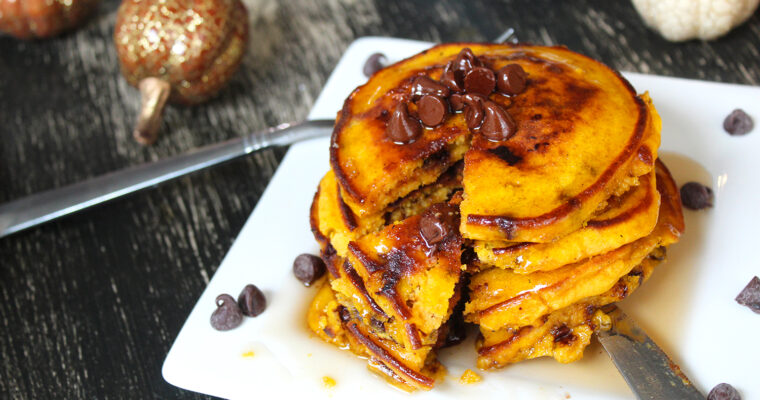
91 303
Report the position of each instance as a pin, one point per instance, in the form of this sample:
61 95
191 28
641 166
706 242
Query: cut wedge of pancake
500 298
625 218
583 135
398 291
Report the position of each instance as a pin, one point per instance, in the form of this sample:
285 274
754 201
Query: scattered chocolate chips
479 80
402 128
438 222
724 391
498 124
696 196
308 268
227 314
252 301
750 295
473 112
511 79
432 110
374 63
738 123
422 85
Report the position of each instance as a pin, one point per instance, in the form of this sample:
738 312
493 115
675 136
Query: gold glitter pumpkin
182 50
26 19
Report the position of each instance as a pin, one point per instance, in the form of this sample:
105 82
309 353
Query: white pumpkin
679 20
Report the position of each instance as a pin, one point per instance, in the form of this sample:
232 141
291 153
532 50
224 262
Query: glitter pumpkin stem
154 93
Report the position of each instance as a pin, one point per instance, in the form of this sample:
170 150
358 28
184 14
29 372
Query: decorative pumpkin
26 19
183 51
679 20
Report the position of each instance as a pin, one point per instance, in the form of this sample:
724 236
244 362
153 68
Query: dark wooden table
90 304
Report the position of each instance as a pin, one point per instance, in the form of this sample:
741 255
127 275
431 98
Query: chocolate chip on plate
479 80
423 85
432 110
511 79
308 268
252 301
438 222
227 314
750 295
738 123
696 196
374 63
402 128
498 124
724 391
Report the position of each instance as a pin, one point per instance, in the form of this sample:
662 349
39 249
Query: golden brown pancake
626 218
398 291
565 333
583 136
500 298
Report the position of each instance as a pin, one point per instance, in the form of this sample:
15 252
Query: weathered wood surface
90 305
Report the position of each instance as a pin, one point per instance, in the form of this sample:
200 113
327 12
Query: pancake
500 298
583 136
398 291
562 334
331 322
625 218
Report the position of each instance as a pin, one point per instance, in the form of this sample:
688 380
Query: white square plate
687 306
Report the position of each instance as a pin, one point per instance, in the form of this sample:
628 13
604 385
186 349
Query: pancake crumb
248 354
469 377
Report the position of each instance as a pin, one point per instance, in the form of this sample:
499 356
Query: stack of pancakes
526 235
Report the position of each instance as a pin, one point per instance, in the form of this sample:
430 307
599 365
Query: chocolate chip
402 128
450 78
432 110
227 314
344 314
456 101
374 63
498 124
423 85
479 80
511 79
438 222
473 112
252 301
308 268
738 123
696 196
466 60
724 391
750 295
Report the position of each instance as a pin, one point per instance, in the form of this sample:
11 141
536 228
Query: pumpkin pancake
565 333
500 298
583 135
398 290
626 218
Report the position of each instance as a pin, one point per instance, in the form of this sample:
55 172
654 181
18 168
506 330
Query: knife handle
45 206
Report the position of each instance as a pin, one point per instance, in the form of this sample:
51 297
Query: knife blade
46 206
649 372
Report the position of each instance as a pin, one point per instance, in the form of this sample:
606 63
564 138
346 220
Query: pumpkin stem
154 93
